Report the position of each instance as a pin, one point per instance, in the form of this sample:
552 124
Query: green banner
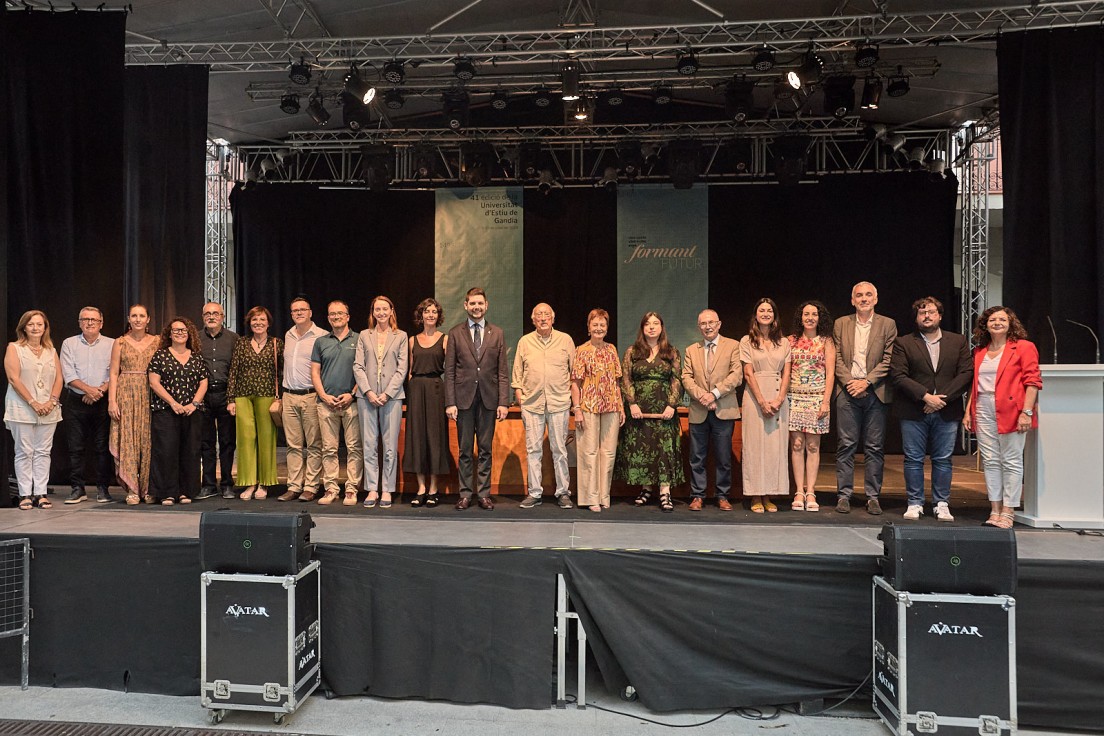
478 242
662 260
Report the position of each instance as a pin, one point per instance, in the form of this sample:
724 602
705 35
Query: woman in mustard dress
128 403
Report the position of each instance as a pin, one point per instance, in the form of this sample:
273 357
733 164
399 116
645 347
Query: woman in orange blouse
599 411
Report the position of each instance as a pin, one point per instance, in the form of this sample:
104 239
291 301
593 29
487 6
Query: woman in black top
178 383
427 443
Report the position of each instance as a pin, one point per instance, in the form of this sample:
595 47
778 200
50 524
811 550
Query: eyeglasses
713 323
90 320
212 314
338 314
927 311
300 311
179 330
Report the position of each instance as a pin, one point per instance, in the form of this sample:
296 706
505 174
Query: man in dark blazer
477 393
931 369
864 346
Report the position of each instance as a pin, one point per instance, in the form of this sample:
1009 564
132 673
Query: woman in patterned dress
650 451
599 411
812 373
251 389
765 354
128 404
426 452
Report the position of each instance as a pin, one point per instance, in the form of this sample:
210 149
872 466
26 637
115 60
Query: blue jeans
718 433
919 437
863 418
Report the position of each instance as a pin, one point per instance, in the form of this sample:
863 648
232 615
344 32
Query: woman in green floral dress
650 451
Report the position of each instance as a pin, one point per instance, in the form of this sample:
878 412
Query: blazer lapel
1007 356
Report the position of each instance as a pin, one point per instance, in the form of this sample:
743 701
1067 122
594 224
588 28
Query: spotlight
499 101
783 90
394 72
916 158
543 98
455 107
613 97
356 115
608 180
630 159
839 96
687 63
875 132
425 161
582 110
463 70
740 152
895 142
569 81
739 98
546 181
475 165
529 157
300 73
872 93
377 166
791 157
898 84
393 99
267 167
683 162
763 60
290 104
810 70
663 95
317 109
866 55
359 89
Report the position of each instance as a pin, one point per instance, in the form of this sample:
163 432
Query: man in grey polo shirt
304 441
332 374
85 368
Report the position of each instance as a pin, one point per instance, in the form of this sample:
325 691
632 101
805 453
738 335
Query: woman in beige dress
765 355
128 404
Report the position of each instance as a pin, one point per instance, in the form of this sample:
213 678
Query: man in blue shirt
86 368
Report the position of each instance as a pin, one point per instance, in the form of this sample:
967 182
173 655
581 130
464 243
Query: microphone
1091 332
1055 339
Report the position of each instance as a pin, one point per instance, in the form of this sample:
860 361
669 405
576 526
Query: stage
694 610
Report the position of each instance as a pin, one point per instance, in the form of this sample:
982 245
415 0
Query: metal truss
979 150
578 155
294 15
593 45
223 168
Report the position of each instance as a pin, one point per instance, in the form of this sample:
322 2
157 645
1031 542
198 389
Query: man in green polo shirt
332 375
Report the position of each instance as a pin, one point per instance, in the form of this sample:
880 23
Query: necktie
708 358
478 339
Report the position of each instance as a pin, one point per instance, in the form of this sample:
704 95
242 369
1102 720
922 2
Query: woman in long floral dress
128 403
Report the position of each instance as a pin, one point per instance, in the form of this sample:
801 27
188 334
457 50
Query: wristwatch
1029 412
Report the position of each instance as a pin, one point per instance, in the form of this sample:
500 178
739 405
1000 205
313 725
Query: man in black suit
477 392
931 370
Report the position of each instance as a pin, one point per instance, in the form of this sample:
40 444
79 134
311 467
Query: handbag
276 408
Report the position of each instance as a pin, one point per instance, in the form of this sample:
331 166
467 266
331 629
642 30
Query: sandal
148 499
644 497
132 499
247 494
811 502
596 509
770 507
1007 519
431 500
993 520
371 500
757 507
26 504
167 502
184 499
261 493
798 502
418 500
44 503
385 500
665 504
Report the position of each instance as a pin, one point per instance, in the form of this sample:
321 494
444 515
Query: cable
849 696
572 698
1080 532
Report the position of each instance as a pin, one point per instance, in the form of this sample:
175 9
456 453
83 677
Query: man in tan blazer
711 372
864 348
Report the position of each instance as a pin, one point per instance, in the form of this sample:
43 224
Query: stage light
866 55
455 107
317 109
791 154
394 71
529 160
267 167
425 161
683 162
569 82
546 182
740 99
377 166
499 101
300 73
741 155
663 95
355 115
875 132
895 142
582 110
543 98
360 90
916 158
839 96
687 63
475 163
612 97
609 179
763 60
793 80
938 166
290 104
629 159
872 93
393 99
783 90
463 70
808 73
898 84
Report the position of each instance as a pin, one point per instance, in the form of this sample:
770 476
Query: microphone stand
1091 332
1055 334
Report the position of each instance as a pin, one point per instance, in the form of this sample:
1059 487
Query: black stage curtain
294 239
5 438
116 613
165 165
465 625
1052 139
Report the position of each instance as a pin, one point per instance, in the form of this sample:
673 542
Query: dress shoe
723 504
206 492
463 503
288 496
873 507
228 492
486 503
307 496
76 496
695 504
843 506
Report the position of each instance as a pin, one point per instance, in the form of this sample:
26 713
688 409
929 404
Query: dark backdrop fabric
333 244
8 331
1052 139
165 168
465 625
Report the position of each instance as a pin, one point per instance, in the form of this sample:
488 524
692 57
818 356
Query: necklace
36 350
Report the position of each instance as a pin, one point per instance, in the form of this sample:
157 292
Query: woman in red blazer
1002 406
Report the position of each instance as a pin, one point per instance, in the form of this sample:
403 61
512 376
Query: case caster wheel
278 719
628 694
329 694
215 716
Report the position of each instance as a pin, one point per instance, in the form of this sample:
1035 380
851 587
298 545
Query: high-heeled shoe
261 493
798 502
247 494
418 500
811 502
431 500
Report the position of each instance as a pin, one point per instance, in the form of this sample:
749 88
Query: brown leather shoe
288 496
327 499
486 503
723 504
463 503
307 496
695 504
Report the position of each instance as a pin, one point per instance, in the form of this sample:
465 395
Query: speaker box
920 559
260 544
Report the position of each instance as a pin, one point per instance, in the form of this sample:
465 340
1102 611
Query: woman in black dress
178 382
426 451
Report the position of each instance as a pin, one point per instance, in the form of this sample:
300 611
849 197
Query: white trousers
596 447
33 443
1001 455
534 449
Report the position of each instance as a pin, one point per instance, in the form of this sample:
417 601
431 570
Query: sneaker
943 512
531 501
913 513
564 502
228 492
206 492
873 507
843 506
103 496
76 496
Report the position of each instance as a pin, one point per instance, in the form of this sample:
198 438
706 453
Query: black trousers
174 460
218 435
88 425
475 424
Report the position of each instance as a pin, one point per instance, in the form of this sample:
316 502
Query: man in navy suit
931 369
477 393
